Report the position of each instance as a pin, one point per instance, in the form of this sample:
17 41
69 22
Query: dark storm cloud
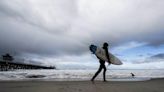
53 27
45 15
158 56
23 31
152 59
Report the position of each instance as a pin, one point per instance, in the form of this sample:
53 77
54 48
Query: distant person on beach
132 75
102 63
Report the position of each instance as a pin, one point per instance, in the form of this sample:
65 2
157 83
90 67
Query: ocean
78 75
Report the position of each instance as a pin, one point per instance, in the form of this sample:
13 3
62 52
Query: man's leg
99 70
104 73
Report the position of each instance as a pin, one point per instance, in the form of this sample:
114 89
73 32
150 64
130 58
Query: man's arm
107 54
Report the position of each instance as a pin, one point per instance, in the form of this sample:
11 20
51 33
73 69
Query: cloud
42 14
158 56
152 59
127 46
37 26
53 27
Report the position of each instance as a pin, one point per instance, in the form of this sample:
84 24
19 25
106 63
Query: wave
73 75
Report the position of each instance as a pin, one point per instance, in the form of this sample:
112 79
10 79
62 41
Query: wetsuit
102 66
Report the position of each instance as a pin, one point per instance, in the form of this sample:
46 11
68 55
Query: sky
59 32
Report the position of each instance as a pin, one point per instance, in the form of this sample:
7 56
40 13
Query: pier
7 64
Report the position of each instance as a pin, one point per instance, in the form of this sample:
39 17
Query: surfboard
100 53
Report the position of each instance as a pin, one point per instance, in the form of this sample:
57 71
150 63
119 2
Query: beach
154 85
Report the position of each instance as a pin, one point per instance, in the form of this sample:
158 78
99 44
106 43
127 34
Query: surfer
102 63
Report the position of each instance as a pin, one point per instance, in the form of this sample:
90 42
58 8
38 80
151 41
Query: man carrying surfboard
102 63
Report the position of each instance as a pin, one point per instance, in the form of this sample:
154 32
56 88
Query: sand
155 85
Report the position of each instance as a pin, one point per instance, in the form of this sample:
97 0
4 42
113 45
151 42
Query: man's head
105 44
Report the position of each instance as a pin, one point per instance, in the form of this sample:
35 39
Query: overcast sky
59 31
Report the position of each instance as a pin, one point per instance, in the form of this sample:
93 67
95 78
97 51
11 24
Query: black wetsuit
102 66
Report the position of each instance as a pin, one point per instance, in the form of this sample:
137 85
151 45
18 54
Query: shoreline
153 85
84 79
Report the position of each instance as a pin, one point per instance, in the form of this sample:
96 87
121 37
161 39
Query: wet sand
154 85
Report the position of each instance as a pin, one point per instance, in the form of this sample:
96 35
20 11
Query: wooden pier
12 66
7 64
